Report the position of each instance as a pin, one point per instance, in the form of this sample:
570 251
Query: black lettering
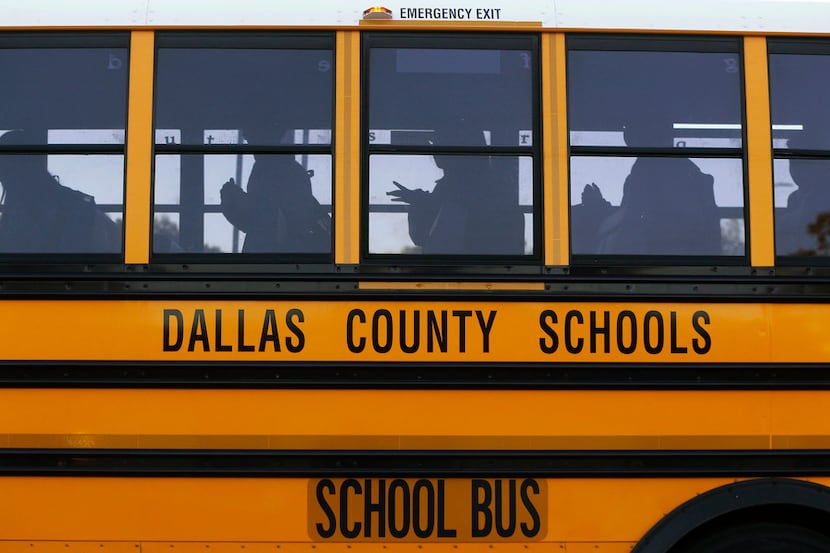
387 345
509 529
657 317
354 531
198 332
370 508
569 344
530 531
436 331
673 330
361 344
705 344
295 347
269 333
443 531
176 344
240 329
486 328
394 529
604 330
462 328
481 509
552 345
219 345
423 486
326 531
631 318
416 338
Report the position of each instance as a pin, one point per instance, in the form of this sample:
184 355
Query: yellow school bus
513 276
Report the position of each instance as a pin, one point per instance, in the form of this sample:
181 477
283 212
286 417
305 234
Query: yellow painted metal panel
759 153
192 514
412 419
347 150
555 150
39 546
459 331
139 148
411 442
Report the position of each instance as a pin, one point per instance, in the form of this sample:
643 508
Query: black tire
759 537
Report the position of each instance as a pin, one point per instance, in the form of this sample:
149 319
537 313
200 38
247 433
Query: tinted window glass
694 96
245 215
456 204
656 206
645 117
798 85
799 76
62 115
244 143
225 89
452 158
413 88
802 202
76 89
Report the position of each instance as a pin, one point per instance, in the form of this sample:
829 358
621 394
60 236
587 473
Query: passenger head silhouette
810 175
456 131
22 170
650 130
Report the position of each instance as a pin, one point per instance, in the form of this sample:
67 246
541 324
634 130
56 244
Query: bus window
451 148
799 74
656 147
62 143
243 141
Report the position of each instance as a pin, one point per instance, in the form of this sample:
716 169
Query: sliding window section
243 147
62 130
656 150
799 73
452 155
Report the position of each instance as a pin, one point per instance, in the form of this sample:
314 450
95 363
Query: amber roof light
377 12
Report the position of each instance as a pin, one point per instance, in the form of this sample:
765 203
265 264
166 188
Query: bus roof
739 16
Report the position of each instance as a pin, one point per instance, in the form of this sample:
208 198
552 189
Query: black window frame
53 261
282 262
496 263
797 46
661 43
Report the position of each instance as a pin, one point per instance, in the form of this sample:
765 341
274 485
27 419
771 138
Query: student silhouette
42 216
470 210
668 204
277 212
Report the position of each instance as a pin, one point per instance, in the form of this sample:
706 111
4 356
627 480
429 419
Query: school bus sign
367 331
427 509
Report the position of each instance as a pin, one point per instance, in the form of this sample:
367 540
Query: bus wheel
759 537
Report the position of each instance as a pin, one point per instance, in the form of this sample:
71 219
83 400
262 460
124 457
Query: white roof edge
739 16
